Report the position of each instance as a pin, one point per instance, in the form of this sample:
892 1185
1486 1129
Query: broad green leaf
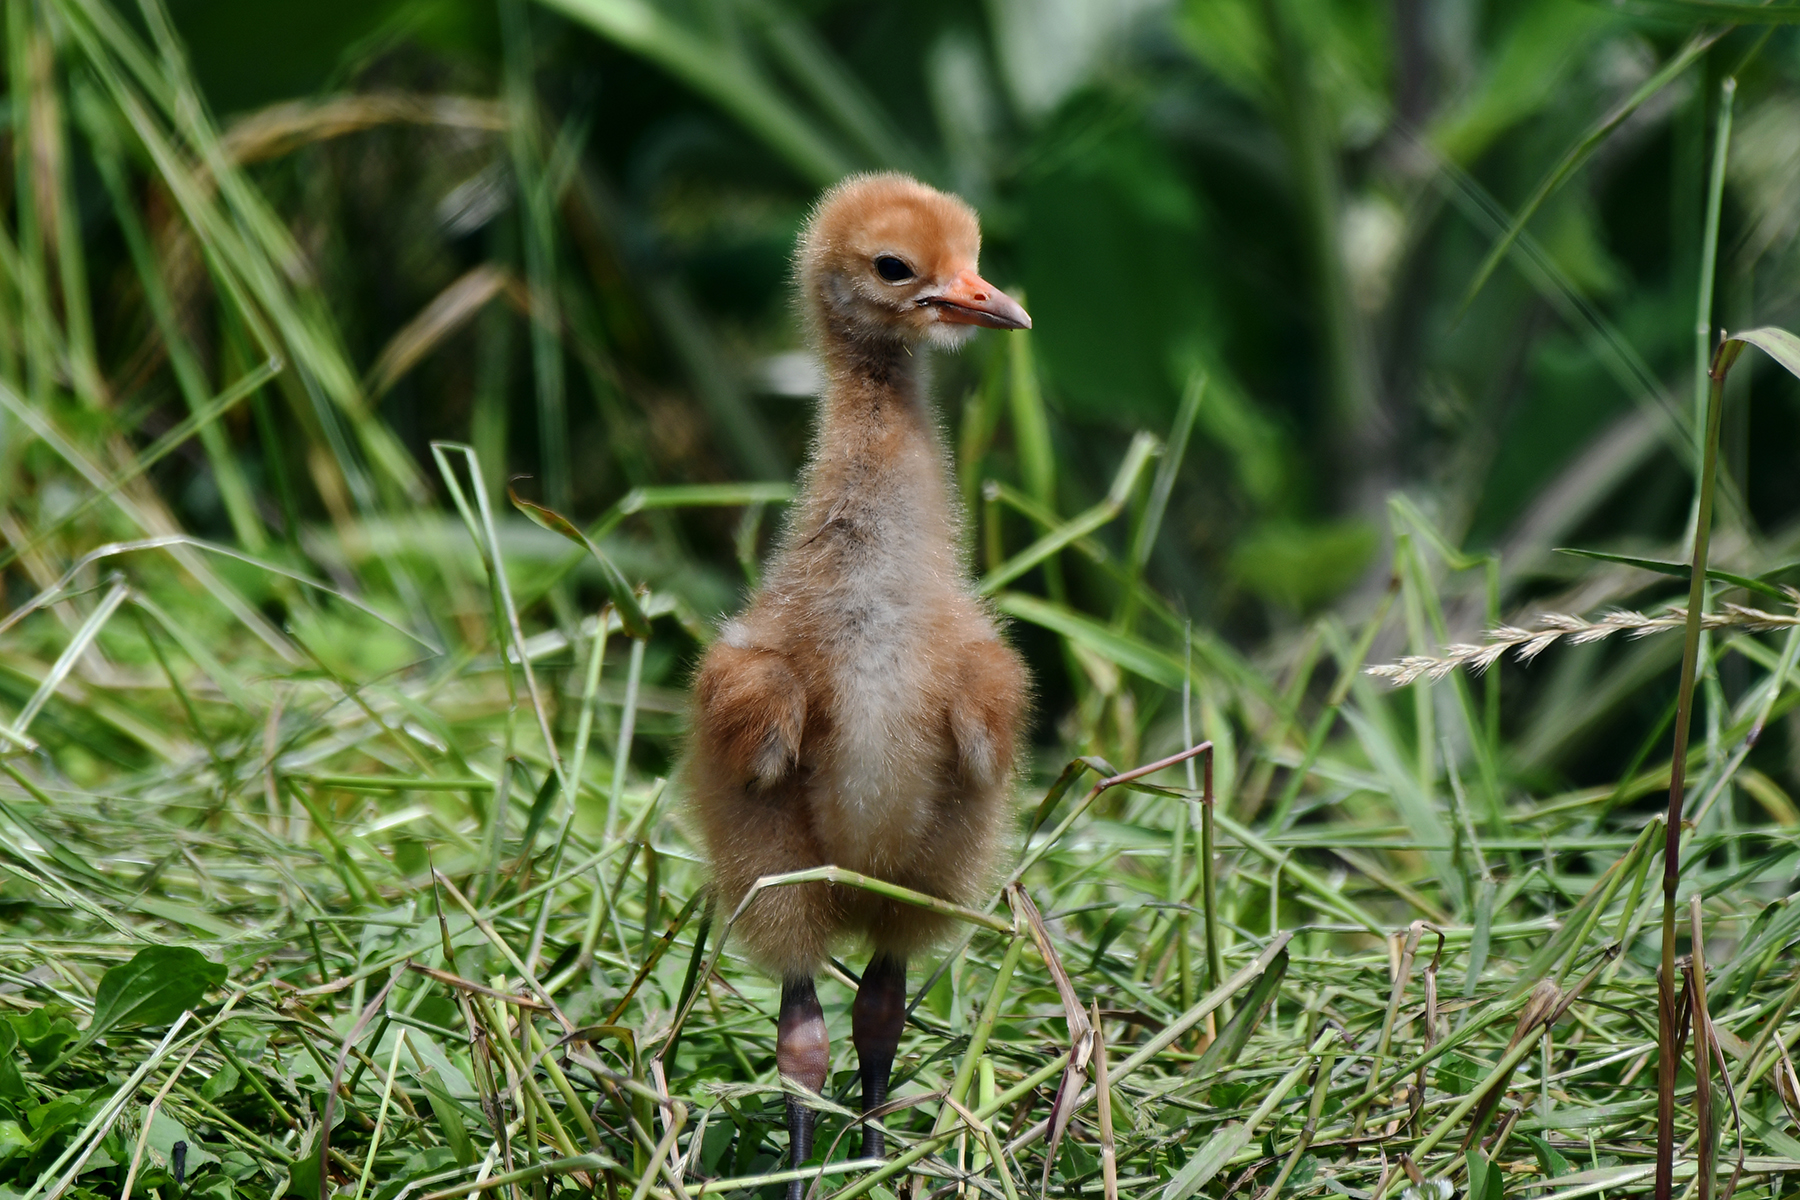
411 1179
221 1084
1550 1160
211 1187
1486 1181
631 613
1458 1075
152 989
43 1032
1231 38
540 812
1775 1138
165 1131
58 1114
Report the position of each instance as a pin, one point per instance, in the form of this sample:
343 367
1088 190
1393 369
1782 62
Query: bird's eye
892 269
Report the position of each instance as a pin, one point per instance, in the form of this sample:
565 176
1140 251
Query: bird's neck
871 385
877 460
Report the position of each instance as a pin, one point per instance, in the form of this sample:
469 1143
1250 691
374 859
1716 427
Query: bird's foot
800 1122
877 1019
802 1054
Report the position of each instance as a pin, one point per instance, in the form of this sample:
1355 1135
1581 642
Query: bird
864 710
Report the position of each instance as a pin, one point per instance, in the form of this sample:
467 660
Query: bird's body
862 711
867 611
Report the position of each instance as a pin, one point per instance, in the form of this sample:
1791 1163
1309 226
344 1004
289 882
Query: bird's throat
875 421
860 366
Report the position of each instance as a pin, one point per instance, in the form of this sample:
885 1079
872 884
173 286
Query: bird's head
884 258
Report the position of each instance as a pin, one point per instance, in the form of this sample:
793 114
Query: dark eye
892 269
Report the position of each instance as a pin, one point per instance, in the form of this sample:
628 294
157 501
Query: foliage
339 851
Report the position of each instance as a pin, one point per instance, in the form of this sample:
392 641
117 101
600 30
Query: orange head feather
884 258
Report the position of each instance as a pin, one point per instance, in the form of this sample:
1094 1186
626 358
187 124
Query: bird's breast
879 630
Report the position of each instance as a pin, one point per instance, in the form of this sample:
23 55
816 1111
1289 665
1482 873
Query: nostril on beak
981 295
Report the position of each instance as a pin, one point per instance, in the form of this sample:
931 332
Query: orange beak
971 300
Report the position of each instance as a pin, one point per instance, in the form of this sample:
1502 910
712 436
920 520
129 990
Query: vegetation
341 848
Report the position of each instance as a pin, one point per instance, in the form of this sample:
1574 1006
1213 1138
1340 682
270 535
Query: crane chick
863 710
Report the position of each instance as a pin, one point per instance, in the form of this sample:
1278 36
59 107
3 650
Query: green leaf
942 997
211 1187
58 1114
1778 344
1061 787
13 1140
1583 148
1719 11
1077 1162
1128 652
221 1083
1301 566
540 812
1230 1042
717 1141
12 1084
449 1118
1225 1142
303 1168
1681 570
1229 1095
718 71
1486 1181
1550 1160
1523 73
1120 920
1457 1074
405 1181
43 1032
631 613
152 989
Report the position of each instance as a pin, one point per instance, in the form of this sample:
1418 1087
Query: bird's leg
876 1020
802 1054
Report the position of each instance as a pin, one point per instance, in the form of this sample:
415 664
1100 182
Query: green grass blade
1583 149
716 72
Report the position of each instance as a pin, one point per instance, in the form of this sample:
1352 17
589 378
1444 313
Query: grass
410 875
341 841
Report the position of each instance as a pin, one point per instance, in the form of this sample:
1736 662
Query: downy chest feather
878 617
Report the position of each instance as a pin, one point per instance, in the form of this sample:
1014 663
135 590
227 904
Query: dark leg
876 1021
802 1054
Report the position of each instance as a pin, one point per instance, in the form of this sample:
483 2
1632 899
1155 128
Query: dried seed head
1527 644
1546 999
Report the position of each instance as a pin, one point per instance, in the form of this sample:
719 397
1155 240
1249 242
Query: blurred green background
561 232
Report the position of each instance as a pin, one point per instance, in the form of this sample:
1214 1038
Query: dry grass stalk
1527 644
